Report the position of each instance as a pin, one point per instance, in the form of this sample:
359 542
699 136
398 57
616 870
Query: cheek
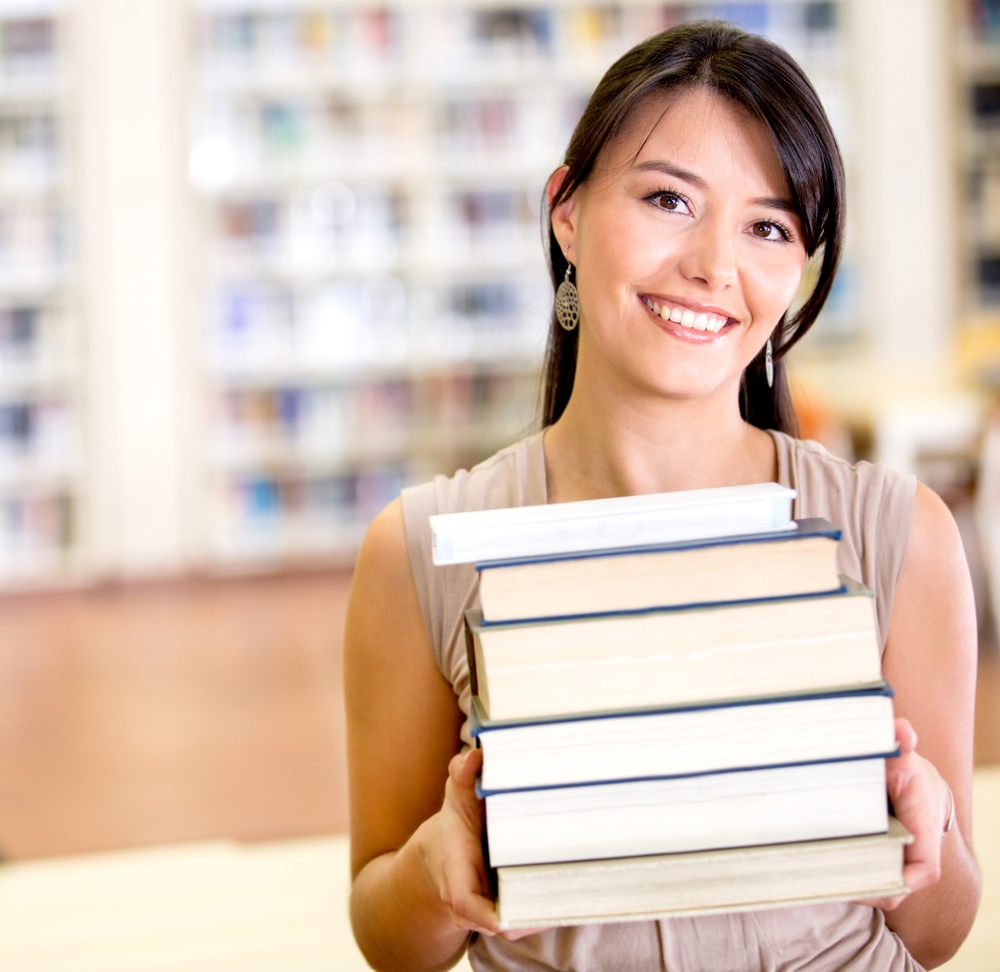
782 283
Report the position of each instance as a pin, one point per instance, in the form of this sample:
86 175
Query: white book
704 882
816 801
703 738
478 536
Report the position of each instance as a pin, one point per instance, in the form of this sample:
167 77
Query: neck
602 448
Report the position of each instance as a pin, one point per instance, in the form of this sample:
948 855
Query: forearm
399 919
934 922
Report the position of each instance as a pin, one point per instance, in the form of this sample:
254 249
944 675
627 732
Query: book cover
675 656
557 528
799 560
683 740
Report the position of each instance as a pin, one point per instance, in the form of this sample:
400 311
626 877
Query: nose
709 256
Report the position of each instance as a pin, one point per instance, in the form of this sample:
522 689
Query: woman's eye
669 201
768 231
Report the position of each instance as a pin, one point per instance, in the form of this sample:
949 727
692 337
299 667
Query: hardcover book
798 560
678 656
702 738
815 801
703 882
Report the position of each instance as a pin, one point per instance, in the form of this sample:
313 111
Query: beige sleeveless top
873 506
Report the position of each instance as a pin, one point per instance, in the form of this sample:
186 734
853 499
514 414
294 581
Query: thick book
816 801
799 560
704 882
784 646
686 740
558 528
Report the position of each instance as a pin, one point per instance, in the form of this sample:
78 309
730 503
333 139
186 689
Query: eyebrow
668 168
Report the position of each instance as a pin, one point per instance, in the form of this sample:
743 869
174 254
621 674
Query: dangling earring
568 302
769 364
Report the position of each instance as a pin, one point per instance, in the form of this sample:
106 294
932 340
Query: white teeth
701 321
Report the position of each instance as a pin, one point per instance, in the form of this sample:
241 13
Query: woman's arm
930 662
419 884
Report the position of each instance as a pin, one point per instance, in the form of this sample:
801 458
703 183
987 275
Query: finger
465 767
474 912
919 812
906 736
920 874
465 888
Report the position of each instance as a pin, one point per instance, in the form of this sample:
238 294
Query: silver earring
568 302
769 364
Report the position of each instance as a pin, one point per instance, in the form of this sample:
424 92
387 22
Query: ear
563 217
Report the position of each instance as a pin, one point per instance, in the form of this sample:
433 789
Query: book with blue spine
665 815
675 656
801 559
705 737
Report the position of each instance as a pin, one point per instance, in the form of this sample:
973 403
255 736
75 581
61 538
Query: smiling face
687 250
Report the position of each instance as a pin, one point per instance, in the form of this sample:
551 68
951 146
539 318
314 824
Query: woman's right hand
453 850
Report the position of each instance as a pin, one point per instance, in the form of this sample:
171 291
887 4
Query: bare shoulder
382 575
383 553
935 541
935 578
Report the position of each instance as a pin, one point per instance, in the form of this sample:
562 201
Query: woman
700 179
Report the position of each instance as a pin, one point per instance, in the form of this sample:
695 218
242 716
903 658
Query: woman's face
687 249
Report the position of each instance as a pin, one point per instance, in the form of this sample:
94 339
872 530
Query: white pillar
904 177
129 159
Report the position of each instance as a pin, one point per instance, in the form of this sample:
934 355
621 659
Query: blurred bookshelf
41 462
373 299
978 144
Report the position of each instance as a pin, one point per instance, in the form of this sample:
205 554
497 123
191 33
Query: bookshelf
978 146
373 299
41 461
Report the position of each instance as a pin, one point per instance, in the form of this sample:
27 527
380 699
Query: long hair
764 80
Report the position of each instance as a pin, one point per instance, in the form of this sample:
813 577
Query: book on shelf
801 559
702 882
743 808
700 738
525 531
676 656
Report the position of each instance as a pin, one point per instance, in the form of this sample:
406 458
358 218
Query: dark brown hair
763 79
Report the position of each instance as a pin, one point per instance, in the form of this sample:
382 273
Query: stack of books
680 706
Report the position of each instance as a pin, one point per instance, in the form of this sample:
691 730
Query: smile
696 321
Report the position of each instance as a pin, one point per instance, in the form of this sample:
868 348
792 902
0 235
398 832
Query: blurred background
264 262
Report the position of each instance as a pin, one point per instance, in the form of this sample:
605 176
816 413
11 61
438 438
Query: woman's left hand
920 802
